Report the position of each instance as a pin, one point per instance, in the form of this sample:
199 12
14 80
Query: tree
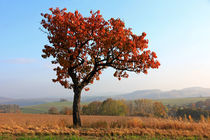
113 107
144 107
159 109
194 113
53 110
92 108
82 47
10 108
63 100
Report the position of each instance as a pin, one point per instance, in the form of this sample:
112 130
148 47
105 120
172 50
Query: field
101 126
43 108
182 101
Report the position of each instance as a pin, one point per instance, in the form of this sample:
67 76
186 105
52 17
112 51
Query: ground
36 125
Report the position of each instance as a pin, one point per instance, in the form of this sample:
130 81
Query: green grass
43 108
32 110
182 101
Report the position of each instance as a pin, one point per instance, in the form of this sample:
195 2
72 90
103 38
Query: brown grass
100 125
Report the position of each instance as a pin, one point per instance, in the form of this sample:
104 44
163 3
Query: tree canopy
84 46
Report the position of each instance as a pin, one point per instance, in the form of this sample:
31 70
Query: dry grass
100 125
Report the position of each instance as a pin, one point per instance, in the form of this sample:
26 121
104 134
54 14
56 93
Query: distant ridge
158 94
139 94
26 102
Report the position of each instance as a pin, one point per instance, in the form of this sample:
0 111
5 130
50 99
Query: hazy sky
178 30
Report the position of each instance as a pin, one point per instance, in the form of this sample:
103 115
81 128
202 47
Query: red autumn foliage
84 46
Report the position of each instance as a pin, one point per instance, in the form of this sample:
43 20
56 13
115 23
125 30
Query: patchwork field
100 126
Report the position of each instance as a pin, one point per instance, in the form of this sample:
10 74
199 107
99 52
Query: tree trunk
76 107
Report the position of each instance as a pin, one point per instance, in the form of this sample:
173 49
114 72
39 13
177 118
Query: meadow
182 101
97 127
43 108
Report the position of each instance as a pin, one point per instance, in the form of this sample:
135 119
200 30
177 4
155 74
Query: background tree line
196 111
141 107
111 107
11 108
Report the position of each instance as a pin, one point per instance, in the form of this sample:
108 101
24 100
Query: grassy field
182 101
98 127
43 108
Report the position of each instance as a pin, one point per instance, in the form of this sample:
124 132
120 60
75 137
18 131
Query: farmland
99 126
182 101
43 108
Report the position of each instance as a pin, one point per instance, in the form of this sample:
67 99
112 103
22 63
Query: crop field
43 108
100 126
182 101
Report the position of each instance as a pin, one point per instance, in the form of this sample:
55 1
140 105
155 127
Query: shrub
53 110
66 111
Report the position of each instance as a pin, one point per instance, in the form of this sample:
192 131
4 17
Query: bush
63 100
66 111
92 108
113 107
53 110
194 113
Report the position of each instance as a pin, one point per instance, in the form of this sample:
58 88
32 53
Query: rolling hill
43 108
28 102
156 94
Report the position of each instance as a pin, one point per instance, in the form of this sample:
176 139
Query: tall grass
34 124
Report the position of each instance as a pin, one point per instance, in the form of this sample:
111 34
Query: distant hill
27 102
158 94
148 94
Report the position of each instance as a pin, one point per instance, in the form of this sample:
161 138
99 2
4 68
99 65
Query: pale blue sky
178 30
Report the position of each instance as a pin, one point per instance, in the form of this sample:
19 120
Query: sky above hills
178 31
